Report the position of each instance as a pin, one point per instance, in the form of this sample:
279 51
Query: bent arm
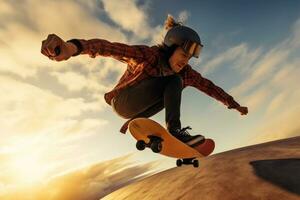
209 88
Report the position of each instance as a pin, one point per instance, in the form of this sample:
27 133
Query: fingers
243 113
243 110
57 58
246 110
43 49
49 45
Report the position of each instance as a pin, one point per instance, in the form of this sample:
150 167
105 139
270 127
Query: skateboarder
154 78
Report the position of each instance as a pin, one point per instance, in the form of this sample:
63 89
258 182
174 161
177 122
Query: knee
120 110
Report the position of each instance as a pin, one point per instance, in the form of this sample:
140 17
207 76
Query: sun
27 168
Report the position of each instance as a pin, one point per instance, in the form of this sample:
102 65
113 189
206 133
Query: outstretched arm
196 80
120 51
57 49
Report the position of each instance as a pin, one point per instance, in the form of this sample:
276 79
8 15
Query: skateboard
151 134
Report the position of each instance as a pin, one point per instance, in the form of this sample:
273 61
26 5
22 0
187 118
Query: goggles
192 48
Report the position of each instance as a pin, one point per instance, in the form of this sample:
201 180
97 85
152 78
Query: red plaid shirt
141 63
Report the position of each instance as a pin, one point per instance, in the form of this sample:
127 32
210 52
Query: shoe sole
196 141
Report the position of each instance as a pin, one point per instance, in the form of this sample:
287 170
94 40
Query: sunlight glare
27 168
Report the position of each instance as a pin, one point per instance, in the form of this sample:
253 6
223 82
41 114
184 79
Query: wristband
78 45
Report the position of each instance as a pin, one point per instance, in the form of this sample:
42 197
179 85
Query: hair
169 23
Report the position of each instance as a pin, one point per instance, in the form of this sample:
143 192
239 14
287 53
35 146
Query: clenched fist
243 110
57 49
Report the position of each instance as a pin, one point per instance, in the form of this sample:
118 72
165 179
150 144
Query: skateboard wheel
196 163
140 145
179 163
156 146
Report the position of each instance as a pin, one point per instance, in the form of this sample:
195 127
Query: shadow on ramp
284 173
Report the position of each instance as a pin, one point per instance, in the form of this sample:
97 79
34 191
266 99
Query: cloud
254 101
282 110
271 89
72 80
263 69
129 16
276 58
183 16
276 103
283 124
36 111
34 120
295 41
239 57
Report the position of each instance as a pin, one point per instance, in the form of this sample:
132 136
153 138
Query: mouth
178 66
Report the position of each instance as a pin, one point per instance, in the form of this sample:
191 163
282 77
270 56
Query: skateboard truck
187 161
155 144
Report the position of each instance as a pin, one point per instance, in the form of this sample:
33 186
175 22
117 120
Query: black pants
150 96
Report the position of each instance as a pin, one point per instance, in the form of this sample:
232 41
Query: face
179 59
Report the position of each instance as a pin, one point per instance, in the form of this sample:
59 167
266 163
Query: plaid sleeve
195 79
119 51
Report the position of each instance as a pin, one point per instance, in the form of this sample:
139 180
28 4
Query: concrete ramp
268 171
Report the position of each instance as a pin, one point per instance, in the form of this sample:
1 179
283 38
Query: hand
57 49
243 110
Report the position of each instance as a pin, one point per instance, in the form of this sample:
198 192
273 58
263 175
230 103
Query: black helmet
185 37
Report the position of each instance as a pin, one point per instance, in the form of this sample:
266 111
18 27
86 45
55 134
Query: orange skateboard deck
149 133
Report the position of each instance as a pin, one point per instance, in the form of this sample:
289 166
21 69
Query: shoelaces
184 131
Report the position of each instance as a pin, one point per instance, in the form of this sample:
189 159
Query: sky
54 119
